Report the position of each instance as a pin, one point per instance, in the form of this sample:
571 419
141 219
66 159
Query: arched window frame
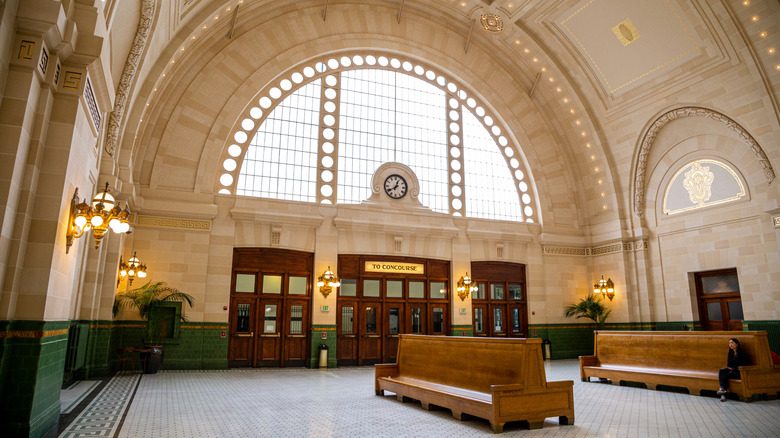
457 97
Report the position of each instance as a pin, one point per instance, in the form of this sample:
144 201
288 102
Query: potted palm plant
146 298
591 308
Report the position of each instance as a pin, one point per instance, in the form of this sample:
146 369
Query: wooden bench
683 359
497 379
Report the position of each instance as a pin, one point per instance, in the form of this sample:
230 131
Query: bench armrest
384 370
587 361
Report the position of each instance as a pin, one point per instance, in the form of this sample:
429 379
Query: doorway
719 299
270 308
374 308
499 306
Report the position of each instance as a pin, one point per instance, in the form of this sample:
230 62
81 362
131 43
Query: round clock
395 186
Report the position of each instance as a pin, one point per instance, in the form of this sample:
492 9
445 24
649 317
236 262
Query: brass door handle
269 335
371 336
245 335
296 336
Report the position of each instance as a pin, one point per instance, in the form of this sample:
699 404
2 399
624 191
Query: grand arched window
322 130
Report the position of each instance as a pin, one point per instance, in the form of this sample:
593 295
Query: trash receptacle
547 349
323 356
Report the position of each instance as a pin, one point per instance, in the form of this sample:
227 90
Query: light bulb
97 221
80 221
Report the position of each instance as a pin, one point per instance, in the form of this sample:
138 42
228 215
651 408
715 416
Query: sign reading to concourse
396 267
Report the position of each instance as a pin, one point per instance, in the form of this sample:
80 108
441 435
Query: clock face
395 186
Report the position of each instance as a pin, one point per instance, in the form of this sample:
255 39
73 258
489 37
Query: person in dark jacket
736 359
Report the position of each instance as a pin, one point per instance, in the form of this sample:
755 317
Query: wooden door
243 320
269 343
518 326
393 324
370 348
347 333
498 320
720 305
438 319
480 319
296 330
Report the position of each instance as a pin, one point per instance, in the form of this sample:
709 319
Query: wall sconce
465 286
605 287
130 269
327 281
103 213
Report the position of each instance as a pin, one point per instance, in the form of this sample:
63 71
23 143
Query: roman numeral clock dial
395 186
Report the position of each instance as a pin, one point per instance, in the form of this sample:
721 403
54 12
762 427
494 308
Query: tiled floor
341 403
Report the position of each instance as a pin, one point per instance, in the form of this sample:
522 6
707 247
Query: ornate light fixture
103 213
131 269
605 287
465 286
491 22
327 281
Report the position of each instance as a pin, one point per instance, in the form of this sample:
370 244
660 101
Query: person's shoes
722 391
723 397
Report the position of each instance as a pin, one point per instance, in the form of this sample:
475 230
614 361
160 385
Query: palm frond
142 298
590 307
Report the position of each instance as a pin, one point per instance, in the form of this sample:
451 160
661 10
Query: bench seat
500 380
682 359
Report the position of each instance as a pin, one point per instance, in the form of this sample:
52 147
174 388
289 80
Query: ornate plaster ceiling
626 43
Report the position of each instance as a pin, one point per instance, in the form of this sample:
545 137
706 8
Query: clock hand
395 187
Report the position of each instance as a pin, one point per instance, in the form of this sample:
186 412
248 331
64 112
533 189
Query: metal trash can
547 349
323 356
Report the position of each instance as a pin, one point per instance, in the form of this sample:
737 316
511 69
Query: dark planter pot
154 358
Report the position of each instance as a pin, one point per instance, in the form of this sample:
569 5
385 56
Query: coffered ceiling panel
629 42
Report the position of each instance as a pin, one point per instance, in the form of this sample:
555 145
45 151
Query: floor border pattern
104 414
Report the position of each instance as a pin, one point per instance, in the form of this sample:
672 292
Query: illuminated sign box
395 267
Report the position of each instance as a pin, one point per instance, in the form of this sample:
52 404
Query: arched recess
652 132
458 95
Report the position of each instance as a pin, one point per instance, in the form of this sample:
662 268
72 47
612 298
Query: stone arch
690 111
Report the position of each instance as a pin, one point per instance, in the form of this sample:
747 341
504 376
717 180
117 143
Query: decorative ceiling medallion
492 23
626 32
698 182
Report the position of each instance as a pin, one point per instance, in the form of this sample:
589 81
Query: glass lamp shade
141 274
96 221
80 221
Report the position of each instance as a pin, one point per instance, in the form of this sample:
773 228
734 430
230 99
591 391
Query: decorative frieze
637 245
172 222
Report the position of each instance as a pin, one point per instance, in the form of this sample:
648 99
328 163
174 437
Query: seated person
736 359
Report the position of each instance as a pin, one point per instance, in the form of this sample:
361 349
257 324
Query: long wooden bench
682 359
501 380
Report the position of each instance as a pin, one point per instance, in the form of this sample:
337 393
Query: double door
270 305
500 309
368 331
500 320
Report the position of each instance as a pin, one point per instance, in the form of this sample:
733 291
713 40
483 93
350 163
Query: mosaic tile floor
341 403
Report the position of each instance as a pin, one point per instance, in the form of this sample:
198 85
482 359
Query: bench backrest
470 362
696 351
